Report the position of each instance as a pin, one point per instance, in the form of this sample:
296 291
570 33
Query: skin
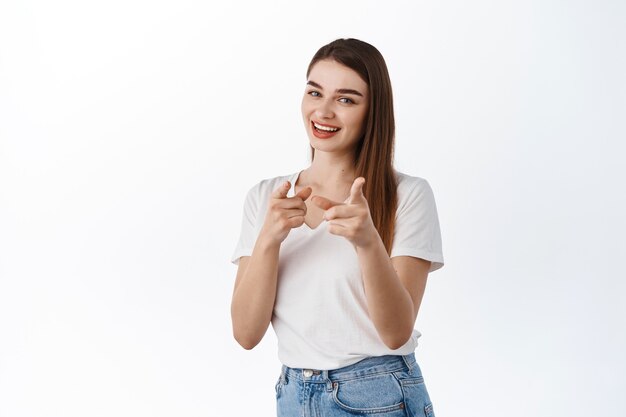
393 287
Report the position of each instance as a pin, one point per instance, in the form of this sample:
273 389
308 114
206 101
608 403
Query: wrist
266 242
370 242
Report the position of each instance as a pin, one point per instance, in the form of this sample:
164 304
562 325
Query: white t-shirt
320 314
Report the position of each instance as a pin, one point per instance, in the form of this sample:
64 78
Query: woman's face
334 106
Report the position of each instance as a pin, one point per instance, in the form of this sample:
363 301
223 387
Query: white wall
131 130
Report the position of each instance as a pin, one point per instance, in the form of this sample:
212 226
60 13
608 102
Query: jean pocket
373 394
416 397
278 386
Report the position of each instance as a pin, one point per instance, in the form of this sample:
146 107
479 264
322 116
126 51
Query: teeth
327 129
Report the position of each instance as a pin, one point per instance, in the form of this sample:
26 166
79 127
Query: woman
336 256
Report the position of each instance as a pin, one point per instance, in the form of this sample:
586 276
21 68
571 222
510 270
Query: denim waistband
368 366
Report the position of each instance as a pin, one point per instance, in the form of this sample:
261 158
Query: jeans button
308 373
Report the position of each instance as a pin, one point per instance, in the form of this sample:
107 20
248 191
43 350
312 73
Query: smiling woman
340 107
336 256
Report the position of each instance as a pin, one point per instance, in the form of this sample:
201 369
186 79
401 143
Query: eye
346 100
314 93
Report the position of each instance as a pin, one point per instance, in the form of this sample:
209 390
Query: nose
324 109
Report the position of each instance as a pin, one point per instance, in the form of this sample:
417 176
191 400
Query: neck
331 170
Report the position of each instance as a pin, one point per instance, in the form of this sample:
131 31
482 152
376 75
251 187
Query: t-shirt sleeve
417 232
248 235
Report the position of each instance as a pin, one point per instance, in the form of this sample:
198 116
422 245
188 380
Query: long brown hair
373 158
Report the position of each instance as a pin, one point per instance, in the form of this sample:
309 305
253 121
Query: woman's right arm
257 275
254 293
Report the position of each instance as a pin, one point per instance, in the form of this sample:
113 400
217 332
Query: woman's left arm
393 287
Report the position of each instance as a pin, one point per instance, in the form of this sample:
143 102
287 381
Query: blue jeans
385 386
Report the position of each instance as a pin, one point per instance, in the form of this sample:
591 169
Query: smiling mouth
324 129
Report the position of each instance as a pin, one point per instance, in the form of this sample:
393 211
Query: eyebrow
340 90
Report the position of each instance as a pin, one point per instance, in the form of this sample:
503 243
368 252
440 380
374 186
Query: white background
131 130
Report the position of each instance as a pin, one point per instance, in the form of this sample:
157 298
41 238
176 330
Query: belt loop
283 375
407 361
329 383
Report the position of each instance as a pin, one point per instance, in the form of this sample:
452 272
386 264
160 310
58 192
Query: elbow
245 341
393 345
396 341
246 345
243 333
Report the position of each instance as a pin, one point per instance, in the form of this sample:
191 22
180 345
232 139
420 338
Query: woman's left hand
351 220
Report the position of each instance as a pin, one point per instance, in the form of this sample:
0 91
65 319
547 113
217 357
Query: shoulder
410 184
414 193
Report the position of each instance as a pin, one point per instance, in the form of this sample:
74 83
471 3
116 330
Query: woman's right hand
284 213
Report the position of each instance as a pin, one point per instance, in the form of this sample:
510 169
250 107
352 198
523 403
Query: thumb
281 192
304 194
324 203
356 192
